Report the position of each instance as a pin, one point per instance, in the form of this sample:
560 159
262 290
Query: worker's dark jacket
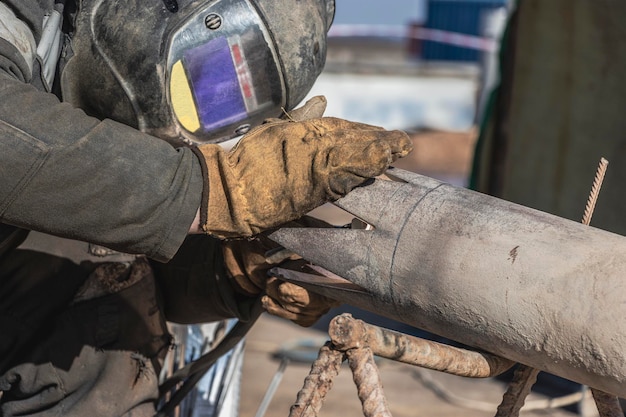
86 338
71 175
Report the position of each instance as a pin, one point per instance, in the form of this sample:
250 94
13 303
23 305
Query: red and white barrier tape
408 32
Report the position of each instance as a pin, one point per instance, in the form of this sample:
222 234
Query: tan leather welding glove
292 302
248 263
283 169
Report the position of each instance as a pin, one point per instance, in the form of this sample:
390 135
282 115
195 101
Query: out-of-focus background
422 66
426 67
429 67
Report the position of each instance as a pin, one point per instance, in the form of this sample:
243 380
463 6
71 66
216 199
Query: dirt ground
409 391
440 154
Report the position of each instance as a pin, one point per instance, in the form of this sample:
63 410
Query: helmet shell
117 62
299 30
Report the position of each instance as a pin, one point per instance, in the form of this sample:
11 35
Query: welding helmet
194 71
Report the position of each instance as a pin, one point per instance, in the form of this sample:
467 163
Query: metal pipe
519 283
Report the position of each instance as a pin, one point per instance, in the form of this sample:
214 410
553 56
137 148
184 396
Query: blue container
459 16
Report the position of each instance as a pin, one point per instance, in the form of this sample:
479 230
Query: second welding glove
284 168
247 263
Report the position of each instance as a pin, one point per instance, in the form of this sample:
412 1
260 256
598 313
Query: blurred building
472 18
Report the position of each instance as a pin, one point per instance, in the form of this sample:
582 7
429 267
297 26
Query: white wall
400 102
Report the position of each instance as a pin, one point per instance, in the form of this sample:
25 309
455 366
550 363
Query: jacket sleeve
195 287
68 174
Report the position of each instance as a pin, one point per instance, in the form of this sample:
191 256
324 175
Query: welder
120 209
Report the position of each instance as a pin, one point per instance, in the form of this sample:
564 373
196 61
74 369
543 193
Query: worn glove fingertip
402 146
312 109
399 142
266 302
275 309
353 164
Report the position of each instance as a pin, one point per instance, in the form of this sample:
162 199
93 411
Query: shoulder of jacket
17 33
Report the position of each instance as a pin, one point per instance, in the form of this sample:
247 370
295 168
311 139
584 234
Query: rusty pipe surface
516 282
347 333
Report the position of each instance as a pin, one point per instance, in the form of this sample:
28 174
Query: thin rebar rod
513 400
368 383
317 384
608 404
595 191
